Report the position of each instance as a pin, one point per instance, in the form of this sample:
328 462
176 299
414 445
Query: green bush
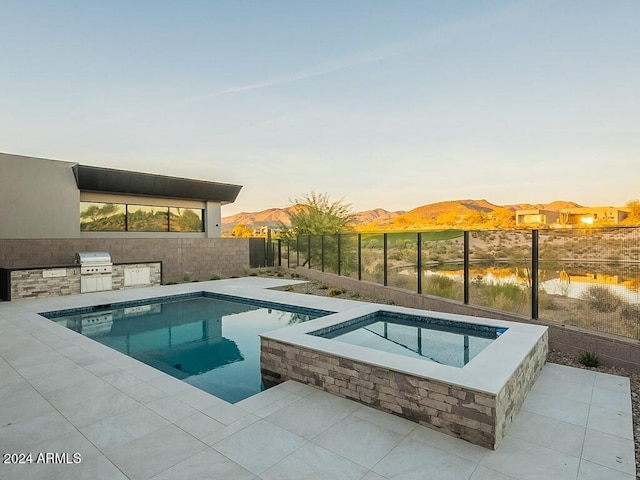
589 359
335 292
442 286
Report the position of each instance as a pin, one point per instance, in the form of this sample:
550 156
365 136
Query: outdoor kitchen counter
37 281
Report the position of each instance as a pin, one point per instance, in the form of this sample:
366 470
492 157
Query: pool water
210 343
446 342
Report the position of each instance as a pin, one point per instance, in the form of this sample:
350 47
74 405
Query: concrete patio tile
196 398
313 462
527 461
262 399
277 405
9 377
24 404
115 431
171 409
69 378
550 433
414 460
27 433
48 369
371 475
147 456
609 451
296 387
199 425
259 446
612 399
225 412
79 393
483 473
568 374
610 421
99 468
167 384
103 368
593 471
121 379
205 465
556 407
334 401
231 429
99 408
615 383
360 441
143 392
449 444
296 418
580 392
385 420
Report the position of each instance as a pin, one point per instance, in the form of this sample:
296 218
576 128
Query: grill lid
93 258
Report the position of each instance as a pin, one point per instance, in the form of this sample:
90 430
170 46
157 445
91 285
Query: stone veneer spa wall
479 417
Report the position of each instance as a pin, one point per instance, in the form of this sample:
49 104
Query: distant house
569 217
44 198
591 215
537 216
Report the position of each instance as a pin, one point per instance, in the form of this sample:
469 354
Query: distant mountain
265 218
273 216
379 218
427 214
375 215
555 205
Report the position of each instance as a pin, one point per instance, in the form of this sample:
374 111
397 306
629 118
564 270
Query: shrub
442 286
334 292
630 311
214 277
601 299
589 359
186 278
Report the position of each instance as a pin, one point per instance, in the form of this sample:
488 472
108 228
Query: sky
390 104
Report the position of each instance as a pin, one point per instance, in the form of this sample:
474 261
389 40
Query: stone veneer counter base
476 403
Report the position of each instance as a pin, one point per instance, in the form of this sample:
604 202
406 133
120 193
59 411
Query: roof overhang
108 180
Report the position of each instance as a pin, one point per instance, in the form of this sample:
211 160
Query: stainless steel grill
95 271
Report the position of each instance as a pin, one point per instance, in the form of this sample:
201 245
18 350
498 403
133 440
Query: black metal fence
583 277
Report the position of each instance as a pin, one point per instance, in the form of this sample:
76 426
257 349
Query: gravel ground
313 287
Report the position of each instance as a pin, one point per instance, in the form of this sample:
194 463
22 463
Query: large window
116 217
102 217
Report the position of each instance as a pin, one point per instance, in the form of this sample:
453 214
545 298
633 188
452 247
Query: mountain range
423 215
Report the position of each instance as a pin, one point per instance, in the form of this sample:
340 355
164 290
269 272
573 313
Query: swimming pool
426 338
207 340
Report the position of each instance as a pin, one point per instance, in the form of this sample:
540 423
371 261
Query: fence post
289 253
359 256
466 267
279 252
534 274
419 263
322 253
339 255
297 251
384 249
309 250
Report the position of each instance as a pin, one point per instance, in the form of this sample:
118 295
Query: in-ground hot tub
464 376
